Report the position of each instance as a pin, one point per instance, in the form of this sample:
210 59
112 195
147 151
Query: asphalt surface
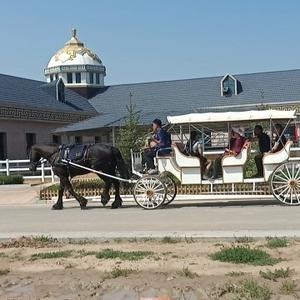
257 218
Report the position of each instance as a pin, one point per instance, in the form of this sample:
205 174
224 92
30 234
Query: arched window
228 86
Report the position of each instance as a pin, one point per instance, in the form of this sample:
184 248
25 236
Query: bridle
36 163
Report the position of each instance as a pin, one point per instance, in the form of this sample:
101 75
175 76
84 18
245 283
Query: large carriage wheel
149 192
171 188
285 183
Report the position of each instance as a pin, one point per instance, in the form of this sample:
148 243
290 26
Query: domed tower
79 67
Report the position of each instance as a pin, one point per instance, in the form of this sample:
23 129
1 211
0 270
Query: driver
160 139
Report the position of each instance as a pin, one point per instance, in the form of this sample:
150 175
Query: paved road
253 218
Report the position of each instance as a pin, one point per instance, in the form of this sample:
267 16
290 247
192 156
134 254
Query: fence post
43 171
7 167
52 175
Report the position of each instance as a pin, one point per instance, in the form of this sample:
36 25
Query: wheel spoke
298 171
284 191
289 174
280 187
286 194
283 179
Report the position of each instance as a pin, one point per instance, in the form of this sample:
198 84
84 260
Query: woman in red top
235 146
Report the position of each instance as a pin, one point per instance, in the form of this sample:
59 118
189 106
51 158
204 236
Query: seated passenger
280 139
193 147
264 144
235 146
160 139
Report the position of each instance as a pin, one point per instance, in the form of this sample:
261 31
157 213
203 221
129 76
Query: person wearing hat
235 146
160 139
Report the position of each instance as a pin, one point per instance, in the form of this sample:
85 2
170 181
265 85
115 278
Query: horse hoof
104 202
83 207
83 202
116 205
56 207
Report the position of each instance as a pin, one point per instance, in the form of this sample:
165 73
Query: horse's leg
81 200
105 197
59 202
118 200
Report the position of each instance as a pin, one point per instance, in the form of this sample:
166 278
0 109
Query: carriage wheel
149 192
171 189
285 183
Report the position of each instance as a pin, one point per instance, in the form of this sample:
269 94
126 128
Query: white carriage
281 171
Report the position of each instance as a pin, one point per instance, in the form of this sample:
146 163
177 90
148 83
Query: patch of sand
161 274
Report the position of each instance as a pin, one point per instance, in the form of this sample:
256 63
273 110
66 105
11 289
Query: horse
99 157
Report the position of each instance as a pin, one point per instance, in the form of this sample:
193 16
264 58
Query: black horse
99 157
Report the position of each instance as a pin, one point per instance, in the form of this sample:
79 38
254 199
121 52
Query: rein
43 159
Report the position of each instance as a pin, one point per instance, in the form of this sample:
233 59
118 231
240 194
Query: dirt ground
179 269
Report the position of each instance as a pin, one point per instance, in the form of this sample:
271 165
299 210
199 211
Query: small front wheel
149 192
285 183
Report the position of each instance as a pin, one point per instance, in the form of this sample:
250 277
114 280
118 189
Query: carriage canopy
252 115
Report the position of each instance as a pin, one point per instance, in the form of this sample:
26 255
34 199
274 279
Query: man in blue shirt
161 139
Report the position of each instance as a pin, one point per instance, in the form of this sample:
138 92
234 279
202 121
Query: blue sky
154 40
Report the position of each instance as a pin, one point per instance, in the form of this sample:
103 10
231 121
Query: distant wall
16 135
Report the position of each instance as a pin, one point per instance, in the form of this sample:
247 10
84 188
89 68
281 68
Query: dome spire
74 32
74 40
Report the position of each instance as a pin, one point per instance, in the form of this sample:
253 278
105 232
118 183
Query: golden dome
74 53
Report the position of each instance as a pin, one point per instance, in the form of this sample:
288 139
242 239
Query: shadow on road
182 204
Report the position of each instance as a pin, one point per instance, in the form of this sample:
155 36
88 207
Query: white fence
11 167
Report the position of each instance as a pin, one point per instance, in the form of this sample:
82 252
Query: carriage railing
137 158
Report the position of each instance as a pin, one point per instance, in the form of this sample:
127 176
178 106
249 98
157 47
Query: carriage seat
76 153
180 146
183 160
233 165
272 160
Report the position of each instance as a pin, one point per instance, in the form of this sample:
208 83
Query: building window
51 77
97 139
56 139
60 90
97 78
91 77
78 140
78 77
30 140
228 86
69 77
3 145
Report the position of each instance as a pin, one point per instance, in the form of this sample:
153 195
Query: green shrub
288 287
277 242
244 255
170 240
47 255
11 179
252 290
118 272
124 255
186 272
277 273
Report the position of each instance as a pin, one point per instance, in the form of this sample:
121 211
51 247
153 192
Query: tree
130 135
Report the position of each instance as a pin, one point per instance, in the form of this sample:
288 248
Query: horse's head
34 157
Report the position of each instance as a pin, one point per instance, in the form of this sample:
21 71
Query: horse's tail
121 165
